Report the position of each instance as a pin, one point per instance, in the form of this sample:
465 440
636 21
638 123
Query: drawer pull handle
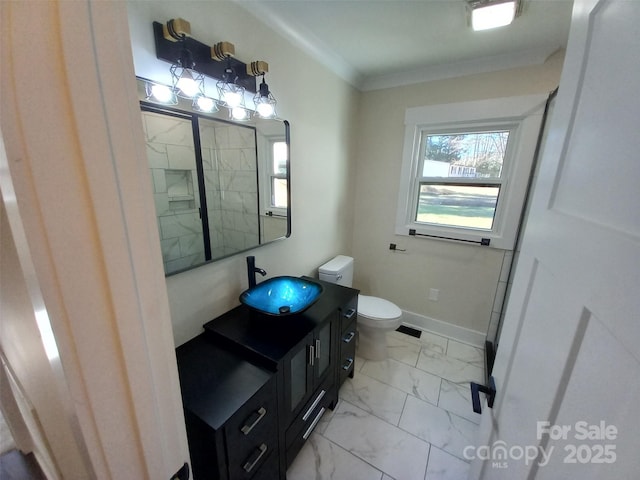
313 406
347 365
350 313
349 337
313 425
317 348
246 429
249 465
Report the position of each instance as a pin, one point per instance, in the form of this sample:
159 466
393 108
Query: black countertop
215 382
269 338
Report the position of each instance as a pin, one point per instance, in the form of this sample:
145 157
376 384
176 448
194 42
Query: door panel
569 355
595 386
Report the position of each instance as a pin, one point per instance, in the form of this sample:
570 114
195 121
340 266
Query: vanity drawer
322 398
296 439
346 365
252 433
270 470
348 313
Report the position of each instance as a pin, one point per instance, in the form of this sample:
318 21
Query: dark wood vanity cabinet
292 365
230 408
309 384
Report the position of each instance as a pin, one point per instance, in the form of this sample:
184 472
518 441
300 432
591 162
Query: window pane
280 158
470 155
458 205
279 192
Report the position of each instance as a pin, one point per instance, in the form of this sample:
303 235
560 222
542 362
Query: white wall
467 276
321 109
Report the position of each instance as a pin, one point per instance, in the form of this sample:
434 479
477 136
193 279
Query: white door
567 370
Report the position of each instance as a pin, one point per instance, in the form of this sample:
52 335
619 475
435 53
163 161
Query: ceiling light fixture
487 14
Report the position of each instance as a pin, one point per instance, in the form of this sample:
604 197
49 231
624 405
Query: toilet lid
374 307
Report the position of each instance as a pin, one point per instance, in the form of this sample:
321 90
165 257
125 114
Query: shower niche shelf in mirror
220 187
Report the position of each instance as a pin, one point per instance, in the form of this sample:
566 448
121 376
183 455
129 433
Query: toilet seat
377 312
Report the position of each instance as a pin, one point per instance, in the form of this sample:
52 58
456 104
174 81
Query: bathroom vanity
254 386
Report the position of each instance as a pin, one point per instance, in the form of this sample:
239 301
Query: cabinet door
323 350
298 375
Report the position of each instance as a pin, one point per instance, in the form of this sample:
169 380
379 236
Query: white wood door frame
76 178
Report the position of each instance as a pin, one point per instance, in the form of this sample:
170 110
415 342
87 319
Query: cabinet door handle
313 406
247 428
249 465
350 313
349 337
313 425
312 355
317 348
347 365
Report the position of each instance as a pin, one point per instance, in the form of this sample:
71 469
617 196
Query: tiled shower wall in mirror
229 165
231 185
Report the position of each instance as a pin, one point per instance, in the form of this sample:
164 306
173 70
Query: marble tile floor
405 418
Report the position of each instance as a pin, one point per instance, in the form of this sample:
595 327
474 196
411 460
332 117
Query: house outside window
466 168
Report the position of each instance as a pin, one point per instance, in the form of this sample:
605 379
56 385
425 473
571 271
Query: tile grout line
382 472
399 428
407 432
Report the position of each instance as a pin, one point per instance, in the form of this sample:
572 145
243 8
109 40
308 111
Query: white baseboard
445 329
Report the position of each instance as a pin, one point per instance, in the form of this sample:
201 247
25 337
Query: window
278 174
466 168
273 188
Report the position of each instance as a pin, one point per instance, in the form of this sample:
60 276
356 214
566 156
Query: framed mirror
221 187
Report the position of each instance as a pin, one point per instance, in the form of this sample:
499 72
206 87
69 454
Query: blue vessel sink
282 295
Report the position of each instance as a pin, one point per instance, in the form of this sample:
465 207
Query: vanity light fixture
186 81
264 100
487 14
230 93
175 45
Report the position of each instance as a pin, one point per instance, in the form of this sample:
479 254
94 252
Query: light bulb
162 93
232 98
187 84
239 113
205 104
493 16
265 110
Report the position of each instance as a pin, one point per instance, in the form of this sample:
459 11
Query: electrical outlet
434 293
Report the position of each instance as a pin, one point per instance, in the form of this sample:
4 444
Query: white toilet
376 316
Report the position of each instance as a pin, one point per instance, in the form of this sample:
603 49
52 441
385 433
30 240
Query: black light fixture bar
170 52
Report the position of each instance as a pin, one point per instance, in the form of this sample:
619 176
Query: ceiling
376 44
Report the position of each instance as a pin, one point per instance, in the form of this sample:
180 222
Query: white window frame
265 152
521 115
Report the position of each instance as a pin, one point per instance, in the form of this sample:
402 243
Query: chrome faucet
252 270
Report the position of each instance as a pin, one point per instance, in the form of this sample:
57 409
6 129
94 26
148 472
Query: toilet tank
337 270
